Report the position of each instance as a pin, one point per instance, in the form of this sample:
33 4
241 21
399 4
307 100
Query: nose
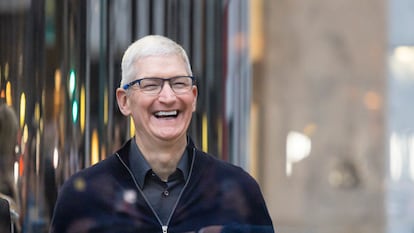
166 94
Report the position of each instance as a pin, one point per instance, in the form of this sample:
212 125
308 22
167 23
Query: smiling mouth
165 114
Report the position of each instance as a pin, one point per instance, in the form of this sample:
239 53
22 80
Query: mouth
166 114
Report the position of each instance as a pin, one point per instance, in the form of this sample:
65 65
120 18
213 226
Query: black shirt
161 195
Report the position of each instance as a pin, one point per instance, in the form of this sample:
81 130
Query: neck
162 157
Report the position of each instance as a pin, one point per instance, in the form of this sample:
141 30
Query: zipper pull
164 229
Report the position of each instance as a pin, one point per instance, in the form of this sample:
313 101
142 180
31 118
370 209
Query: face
162 117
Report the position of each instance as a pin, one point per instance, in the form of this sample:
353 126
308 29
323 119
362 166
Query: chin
169 136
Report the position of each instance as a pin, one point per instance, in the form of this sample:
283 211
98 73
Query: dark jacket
106 198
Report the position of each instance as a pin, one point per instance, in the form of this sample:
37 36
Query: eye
181 82
150 84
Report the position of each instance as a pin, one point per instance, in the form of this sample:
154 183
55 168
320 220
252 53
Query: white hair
151 45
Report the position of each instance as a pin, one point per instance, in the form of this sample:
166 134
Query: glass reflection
60 65
401 140
298 147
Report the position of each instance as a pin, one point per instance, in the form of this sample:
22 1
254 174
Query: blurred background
313 98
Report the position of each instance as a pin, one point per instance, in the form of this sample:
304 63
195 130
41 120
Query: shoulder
211 160
230 184
95 187
102 167
222 169
88 194
93 178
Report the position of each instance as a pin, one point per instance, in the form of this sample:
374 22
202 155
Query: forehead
161 66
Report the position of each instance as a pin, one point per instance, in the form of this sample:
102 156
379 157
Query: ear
122 99
195 93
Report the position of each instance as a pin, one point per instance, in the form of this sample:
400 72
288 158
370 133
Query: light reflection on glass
75 109
25 137
405 55
220 135
411 156
310 129
103 152
58 80
37 152
298 147
8 95
204 134
402 156
6 71
94 147
72 83
131 126
402 63
57 100
82 102
400 140
16 172
106 111
372 100
62 85
55 158
37 114
22 108
395 157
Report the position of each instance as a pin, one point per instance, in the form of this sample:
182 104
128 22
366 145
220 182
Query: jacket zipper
163 227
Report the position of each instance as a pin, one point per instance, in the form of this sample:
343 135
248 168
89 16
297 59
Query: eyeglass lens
179 85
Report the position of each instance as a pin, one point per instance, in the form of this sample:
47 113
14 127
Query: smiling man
159 181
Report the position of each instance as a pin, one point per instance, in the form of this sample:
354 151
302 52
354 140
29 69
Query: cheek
141 107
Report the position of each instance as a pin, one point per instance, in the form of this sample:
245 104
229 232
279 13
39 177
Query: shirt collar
140 167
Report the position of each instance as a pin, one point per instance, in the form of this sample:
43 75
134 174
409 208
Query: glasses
153 86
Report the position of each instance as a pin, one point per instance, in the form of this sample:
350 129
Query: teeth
163 114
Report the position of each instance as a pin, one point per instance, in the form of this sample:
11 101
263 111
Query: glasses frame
138 81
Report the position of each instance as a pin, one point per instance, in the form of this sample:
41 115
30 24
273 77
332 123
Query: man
159 181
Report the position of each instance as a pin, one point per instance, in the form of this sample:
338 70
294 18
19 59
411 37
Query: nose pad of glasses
167 85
